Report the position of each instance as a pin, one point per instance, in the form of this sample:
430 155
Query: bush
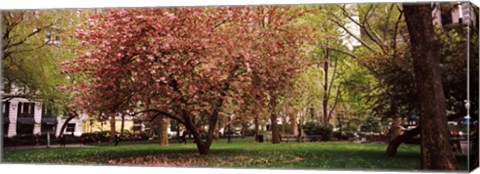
315 128
249 132
371 125
342 135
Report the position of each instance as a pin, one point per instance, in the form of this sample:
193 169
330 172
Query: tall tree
435 147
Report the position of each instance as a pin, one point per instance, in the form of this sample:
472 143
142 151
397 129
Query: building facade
25 117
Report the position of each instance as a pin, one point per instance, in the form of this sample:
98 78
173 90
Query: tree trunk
293 123
274 127
162 123
257 132
393 144
395 130
325 93
284 121
178 129
112 128
435 146
122 126
216 134
244 129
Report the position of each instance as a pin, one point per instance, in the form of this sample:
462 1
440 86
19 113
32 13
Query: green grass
239 154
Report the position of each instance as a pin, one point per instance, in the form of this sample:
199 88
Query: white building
25 117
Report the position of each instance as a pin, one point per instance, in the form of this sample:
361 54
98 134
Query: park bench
289 137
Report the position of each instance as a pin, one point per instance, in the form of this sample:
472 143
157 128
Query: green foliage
317 128
370 125
33 65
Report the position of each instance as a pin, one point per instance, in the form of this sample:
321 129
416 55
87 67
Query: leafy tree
34 44
184 61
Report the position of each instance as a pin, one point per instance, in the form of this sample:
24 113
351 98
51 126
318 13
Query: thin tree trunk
325 95
244 129
178 129
435 147
257 132
284 121
122 128
112 128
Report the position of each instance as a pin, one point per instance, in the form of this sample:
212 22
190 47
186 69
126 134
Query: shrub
315 128
342 135
370 125
249 132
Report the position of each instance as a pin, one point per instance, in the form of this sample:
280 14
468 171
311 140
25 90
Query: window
26 109
6 109
70 128
46 112
446 13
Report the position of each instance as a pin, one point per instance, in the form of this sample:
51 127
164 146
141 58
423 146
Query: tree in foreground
435 146
183 62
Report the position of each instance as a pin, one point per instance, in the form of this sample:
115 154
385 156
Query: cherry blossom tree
183 62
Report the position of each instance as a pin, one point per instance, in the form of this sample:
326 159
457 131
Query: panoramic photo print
371 86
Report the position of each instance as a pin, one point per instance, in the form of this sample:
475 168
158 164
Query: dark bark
255 121
122 127
325 89
244 129
435 147
177 125
393 145
274 127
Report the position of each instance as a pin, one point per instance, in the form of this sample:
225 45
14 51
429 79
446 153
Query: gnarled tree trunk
395 142
435 147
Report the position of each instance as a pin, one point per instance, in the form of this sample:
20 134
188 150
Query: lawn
239 154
